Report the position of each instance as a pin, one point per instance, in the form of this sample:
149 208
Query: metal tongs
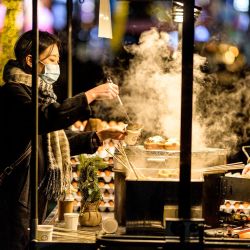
109 80
246 153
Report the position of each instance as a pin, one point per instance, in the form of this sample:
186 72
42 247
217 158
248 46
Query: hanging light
177 11
105 26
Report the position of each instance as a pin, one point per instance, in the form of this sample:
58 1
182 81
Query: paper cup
71 220
44 232
132 136
65 206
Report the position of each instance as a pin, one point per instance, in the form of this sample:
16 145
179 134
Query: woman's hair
23 46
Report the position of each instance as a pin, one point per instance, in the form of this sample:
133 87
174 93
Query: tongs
246 153
109 80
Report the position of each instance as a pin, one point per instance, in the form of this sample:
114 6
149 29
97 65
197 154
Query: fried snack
155 142
159 142
172 144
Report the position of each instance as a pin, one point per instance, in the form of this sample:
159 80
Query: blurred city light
241 5
177 11
201 34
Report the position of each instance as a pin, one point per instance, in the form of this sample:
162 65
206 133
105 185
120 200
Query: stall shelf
93 238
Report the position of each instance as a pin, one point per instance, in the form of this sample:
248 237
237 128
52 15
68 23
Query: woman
55 142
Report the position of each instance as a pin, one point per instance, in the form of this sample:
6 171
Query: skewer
121 160
123 108
69 230
231 166
138 175
123 153
118 159
72 235
119 150
130 164
236 165
120 101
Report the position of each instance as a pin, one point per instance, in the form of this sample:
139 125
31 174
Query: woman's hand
111 133
246 169
102 92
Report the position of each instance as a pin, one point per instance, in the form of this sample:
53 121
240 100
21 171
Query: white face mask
51 73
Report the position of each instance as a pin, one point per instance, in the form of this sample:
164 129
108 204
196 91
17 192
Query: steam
151 93
153 82
224 112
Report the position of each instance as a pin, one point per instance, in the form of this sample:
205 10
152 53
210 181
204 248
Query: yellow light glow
10 31
105 26
223 47
229 57
234 50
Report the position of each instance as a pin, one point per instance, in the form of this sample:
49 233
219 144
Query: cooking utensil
127 164
121 103
118 159
122 151
244 149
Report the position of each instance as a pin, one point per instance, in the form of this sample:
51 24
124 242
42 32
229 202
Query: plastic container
71 221
44 232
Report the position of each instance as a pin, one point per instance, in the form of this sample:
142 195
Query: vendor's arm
83 142
54 116
77 107
57 116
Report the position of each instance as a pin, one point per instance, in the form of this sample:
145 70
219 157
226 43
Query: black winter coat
15 134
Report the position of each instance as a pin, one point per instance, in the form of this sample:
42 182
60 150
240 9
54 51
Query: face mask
51 73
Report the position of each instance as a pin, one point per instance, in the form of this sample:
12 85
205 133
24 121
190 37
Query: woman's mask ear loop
43 65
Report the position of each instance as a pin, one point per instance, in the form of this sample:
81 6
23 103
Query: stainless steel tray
162 159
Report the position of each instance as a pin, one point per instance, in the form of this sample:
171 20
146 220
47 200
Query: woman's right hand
102 92
246 169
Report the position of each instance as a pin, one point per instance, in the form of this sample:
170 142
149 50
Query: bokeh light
201 33
241 5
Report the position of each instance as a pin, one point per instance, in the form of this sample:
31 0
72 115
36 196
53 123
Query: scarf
58 176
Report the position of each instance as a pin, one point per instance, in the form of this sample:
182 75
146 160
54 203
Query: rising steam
153 82
151 93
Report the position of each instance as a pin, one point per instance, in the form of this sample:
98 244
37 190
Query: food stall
164 198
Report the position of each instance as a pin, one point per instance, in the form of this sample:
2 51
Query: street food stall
163 192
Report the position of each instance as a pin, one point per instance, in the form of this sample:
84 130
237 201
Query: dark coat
16 126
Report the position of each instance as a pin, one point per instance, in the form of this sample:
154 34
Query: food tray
143 158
